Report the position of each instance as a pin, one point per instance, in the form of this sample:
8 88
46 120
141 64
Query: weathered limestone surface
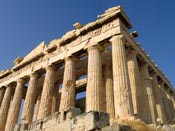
2 91
38 101
68 90
56 99
29 103
94 84
150 113
170 105
117 127
166 103
47 93
135 81
109 90
5 107
15 107
158 100
70 120
173 100
122 92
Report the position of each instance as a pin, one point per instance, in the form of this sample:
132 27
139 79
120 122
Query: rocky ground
136 125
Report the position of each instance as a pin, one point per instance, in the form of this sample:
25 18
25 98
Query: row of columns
146 93
15 106
129 90
44 102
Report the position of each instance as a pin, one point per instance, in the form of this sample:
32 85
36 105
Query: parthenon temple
86 80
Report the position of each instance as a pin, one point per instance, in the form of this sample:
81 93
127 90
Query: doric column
109 91
165 102
47 93
38 101
94 83
5 107
170 103
15 106
68 90
55 99
135 81
149 102
29 103
2 91
173 99
158 99
122 92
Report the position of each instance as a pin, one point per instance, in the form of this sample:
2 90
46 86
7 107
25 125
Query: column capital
145 64
99 47
2 87
20 81
116 37
161 82
50 67
72 58
132 50
154 76
8 86
34 74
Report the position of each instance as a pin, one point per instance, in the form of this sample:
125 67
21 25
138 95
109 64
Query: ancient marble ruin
91 77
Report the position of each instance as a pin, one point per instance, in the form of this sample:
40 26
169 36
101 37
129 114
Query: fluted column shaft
68 90
38 101
109 91
170 102
173 99
158 100
165 102
94 83
29 103
55 99
15 106
47 93
2 91
5 107
122 92
150 114
135 81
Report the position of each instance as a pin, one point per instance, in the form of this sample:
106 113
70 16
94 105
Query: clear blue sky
25 23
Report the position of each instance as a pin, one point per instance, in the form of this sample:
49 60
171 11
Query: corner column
135 81
47 93
5 107
94 83
15 106
122 92
29 103
68 90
